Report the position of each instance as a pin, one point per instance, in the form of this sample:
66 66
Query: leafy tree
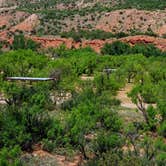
10 157
137 98
120 48
116 48
161 95
20 42
147 50
162 129
106 142
110 120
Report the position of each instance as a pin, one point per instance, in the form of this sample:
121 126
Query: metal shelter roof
28 79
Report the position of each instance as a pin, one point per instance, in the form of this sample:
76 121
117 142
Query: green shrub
147 50
120 48
10 156
12 128
106 142
48 145
112 158
20 42
161 159
162 129
110 120
116 48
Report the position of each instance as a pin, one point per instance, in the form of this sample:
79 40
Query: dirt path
58 160
128 112
85 77
125 100
41 157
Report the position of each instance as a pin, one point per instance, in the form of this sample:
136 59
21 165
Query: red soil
98 44
127 19
27 25
61 160
158 42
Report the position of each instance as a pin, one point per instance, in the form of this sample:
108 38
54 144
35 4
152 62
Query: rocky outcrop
53 42
47 42
158 42
98 44
70 43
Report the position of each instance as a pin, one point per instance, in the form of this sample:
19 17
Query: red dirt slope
98 44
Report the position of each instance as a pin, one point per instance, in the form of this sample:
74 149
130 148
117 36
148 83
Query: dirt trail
128 112
125 100
41 157
57 160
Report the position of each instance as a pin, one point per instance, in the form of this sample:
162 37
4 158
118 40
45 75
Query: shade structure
28 79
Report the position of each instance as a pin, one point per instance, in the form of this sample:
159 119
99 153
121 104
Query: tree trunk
83 151
141 107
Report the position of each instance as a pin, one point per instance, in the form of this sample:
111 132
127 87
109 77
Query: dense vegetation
88 119
120 48
20 42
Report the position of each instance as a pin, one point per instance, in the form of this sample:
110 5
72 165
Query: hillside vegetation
62 16
111 16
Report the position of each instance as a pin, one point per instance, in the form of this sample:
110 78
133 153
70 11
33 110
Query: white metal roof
29 78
